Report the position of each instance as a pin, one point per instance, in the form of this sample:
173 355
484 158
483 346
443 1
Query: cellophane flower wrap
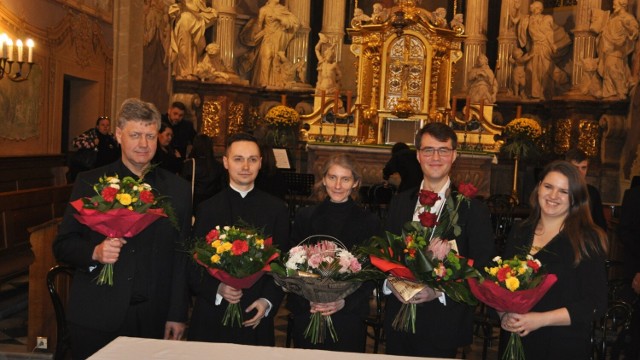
237 257
121 208
423 255
522 136
321 270
513 285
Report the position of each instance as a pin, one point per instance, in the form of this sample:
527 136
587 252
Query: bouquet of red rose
513 285
324 271
121 208
237 257
425 255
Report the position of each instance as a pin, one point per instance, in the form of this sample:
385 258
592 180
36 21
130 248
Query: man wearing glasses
442 325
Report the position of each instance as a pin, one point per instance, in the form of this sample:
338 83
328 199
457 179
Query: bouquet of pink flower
237 257
121 208
513 285
425 255
324 271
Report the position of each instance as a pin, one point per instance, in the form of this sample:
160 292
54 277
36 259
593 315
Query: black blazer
449 326
151 267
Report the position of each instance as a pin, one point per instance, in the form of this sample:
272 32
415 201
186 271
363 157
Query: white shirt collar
242 193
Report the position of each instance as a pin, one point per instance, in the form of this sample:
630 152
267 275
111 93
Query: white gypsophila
113 180
496 259
146 186
135 188
115 186
226 228
218 227
222 236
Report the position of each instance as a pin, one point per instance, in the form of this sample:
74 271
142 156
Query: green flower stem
316 331
405 320
514 349
232 316
106 275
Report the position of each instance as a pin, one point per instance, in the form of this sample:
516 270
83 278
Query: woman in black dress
338 215
562 235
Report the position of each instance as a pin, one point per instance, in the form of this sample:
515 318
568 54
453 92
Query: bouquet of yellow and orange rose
121 208
237 257
425 255
513 285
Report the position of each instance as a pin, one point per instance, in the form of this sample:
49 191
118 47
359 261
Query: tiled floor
13 327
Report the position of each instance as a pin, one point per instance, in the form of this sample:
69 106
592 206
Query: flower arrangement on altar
121 208
322 271
237 257
282 116
522 138
513 285
426 254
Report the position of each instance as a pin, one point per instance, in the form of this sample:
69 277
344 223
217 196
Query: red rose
109 194
502 273
146 197
212 235
428 198
534 265
468 190
428 219
239 247
268 242
409 239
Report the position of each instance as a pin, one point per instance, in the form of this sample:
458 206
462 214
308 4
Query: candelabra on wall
7 59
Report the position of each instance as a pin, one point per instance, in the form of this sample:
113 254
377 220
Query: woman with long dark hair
562 235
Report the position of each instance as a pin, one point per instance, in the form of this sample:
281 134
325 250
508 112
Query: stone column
128 35
475 29
507 41
225 29
299 47
333 23
584 43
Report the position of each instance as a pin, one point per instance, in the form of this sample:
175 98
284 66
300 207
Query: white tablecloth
141 349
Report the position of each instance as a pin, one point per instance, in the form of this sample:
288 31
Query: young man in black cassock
240 200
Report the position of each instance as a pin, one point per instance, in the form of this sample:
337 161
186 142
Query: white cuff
266 313
385 288
443 299
218 299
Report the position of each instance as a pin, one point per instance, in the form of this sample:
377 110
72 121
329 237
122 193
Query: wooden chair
58 281
376 320
612 333
501 207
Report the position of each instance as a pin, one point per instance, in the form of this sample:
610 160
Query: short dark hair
399 146
440 131
179 105
575 155
164 125
241 136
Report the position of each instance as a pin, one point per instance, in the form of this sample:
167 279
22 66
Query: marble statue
542 38
213 69
518 60
439 17
329 74
190 19
270 34
379 14
617 34
457 23
359 18
287 74
483 86
591 83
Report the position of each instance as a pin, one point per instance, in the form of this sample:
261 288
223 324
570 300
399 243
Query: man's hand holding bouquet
423 260
323 272
121 208
513 286
238 257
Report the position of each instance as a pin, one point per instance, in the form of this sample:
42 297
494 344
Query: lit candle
30 45
453 107
518 111
349 93
335 101
468 114
19 46
481 111
9 49
283 99
2 39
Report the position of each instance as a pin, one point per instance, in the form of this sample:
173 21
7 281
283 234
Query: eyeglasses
429 151
103 117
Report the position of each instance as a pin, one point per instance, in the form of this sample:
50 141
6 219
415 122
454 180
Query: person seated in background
580 160
270 178
210 176
338 215
183 129
98 139
166 156
403 169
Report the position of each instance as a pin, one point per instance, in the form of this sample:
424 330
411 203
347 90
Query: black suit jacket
629 231
448 326
151 267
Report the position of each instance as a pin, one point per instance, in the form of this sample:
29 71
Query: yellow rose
215 259
522 270
493 271
124 199
216 244
260 243
227 246
512 283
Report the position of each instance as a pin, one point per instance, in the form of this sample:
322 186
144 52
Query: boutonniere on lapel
425 254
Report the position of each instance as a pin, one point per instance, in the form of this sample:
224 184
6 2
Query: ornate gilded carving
562 136
211 118
589 138
235 118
